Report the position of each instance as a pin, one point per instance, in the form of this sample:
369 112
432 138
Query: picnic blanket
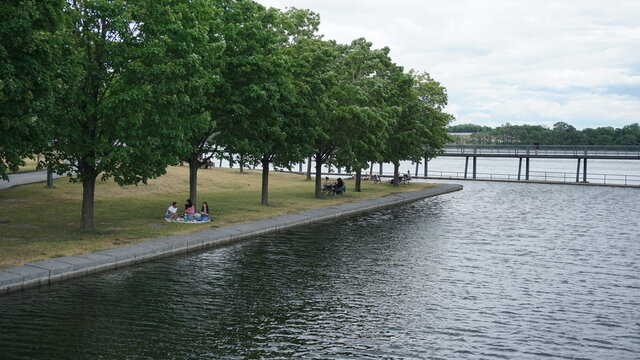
185 221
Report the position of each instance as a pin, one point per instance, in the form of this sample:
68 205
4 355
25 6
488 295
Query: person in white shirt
172 212
327 185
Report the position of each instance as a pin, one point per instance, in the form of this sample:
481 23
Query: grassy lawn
38 223
30 165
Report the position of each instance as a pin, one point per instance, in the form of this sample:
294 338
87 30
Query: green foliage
29 60
134 73
467 128
561 134
255 101
420 128
122 89
365 103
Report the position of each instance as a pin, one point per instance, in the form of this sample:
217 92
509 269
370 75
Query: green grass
29 165
38 223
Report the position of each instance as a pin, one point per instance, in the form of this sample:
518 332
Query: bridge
526 152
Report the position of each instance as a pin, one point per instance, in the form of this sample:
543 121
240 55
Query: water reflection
495 271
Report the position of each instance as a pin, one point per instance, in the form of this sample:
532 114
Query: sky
506 61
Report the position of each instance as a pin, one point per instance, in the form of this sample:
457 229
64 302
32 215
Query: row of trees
561 134
123 89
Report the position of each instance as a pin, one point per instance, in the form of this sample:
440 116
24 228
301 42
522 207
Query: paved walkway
45 272
27 177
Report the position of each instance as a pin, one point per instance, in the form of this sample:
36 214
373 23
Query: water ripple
497 271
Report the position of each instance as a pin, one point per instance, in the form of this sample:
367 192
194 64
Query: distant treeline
561 134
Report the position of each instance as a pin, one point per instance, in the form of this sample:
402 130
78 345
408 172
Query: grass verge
38 223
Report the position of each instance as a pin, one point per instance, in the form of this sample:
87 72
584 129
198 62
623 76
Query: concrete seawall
45 272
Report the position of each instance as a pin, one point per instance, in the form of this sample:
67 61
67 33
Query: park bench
328 191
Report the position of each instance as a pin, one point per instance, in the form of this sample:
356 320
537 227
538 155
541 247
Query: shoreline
45 272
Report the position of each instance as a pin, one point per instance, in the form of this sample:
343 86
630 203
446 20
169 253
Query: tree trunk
265 181
309 168
396 174
88 193
49 178
318 186
241 164
194 164
358 180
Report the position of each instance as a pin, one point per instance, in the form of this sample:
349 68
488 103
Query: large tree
354 119
420 127
254 102
29 76
367 105
314 63
135 67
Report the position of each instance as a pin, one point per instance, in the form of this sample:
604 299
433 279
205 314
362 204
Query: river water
496 271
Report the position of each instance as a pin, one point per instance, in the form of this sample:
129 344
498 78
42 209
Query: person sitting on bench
406 177
327 185
339 187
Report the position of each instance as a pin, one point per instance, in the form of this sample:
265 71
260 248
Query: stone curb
52 270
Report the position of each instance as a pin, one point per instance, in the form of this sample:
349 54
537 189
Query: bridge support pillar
519 167
466 166
474 166
526 176
584 171
578 171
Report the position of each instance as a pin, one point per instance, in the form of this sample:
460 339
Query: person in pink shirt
189 210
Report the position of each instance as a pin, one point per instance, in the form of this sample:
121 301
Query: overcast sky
517 61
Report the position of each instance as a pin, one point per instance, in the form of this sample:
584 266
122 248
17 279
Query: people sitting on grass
204 212
189 210
172 212
190 215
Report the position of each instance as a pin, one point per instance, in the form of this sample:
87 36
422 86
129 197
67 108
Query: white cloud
517 61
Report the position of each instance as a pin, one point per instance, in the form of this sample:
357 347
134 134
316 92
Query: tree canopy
560 134
131 71
122 89
29 76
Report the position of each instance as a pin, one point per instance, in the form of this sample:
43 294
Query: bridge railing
546 176
550 150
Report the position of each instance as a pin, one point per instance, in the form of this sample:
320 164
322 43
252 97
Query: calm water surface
496 271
